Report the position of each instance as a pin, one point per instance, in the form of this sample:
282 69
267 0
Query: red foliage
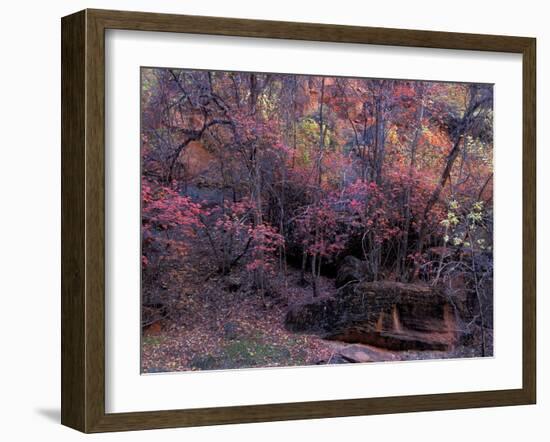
316 165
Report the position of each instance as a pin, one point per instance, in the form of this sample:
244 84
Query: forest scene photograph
301 220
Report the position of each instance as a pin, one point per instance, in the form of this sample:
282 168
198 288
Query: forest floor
246 331
242 331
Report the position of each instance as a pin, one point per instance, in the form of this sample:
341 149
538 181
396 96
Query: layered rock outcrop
386 314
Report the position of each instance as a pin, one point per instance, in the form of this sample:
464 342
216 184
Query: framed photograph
267 221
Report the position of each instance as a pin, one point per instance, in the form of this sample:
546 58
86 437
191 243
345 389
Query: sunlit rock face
387 314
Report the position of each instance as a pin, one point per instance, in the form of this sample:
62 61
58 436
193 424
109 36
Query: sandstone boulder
386 314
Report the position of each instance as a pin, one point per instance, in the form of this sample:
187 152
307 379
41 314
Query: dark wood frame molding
83 216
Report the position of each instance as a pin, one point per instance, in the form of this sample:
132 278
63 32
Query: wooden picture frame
83 220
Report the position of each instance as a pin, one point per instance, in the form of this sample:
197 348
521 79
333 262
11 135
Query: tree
471 121
261 172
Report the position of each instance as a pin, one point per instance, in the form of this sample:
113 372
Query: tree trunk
402 256
379 135
317 192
